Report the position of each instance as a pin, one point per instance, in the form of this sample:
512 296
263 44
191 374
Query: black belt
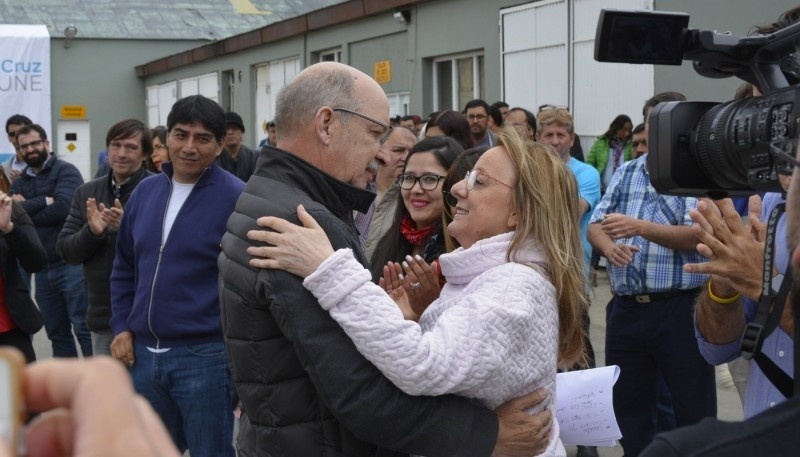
658 296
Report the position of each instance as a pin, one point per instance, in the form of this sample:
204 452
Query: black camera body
707 148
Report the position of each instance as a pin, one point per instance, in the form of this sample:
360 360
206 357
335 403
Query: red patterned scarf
417 237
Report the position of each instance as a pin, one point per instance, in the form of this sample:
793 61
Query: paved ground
728 403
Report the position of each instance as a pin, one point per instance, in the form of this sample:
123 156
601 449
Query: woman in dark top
418 220
19 245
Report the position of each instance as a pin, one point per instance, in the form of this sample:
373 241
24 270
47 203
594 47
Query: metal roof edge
314 20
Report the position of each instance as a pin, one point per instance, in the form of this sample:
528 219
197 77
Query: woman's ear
512 220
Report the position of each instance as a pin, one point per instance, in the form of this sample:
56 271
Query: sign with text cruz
24 76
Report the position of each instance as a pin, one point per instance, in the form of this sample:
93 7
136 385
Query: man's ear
323 121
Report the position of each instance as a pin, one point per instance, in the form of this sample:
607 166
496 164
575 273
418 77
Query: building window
398 103
457 80
334 55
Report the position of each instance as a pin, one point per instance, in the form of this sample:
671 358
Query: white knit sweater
492 335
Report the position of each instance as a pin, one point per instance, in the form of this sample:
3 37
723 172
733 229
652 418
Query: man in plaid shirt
647 239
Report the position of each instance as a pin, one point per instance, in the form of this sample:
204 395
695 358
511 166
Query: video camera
710 149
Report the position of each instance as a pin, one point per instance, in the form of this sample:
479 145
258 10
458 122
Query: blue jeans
648 341
190 388
62 299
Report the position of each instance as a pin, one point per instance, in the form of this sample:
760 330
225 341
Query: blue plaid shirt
654 268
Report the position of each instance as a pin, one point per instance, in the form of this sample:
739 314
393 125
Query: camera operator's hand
735 249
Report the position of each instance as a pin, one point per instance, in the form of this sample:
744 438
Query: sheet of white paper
584 406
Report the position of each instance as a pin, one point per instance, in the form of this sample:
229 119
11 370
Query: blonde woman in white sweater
509 314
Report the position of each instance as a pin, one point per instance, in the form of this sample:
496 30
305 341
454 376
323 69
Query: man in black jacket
304 387
236 157
90 232
45 190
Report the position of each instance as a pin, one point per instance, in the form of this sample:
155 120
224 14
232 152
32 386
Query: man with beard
45 190
15 164
236 157
477 113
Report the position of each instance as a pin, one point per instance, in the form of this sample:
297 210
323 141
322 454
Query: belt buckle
644 298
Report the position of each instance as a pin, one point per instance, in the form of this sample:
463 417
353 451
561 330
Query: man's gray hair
299 100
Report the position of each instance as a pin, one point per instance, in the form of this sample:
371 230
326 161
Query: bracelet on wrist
720 300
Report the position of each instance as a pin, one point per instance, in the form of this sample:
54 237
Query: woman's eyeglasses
472 177
450 199
428 181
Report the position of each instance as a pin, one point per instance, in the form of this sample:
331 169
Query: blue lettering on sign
21 83
11 66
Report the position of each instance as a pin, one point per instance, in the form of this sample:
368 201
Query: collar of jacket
323 188
134 179
205 178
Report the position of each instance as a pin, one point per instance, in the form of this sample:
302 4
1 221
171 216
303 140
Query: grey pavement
728 403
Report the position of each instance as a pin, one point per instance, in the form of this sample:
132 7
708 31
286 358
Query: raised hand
112 216
392 282
94 217
5 213
735 250
421 283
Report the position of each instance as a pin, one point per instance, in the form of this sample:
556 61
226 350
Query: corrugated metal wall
548 58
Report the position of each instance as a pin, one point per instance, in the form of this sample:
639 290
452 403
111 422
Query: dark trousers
648 339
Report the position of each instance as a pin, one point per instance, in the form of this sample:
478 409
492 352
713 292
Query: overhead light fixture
402 16
69 35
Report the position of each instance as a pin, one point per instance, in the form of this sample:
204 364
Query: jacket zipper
155 273
160 253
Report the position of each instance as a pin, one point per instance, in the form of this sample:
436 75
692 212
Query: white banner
24 78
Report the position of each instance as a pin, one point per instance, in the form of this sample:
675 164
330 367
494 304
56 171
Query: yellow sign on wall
383 71
73 111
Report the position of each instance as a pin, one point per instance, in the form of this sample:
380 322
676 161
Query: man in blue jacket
45 190
164 298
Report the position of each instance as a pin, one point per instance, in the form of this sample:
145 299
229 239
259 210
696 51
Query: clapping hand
5 213
100 218
415 290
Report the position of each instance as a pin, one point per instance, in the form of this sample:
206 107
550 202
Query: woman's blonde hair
547 204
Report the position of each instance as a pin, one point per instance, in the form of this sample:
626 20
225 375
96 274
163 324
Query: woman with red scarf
418 219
